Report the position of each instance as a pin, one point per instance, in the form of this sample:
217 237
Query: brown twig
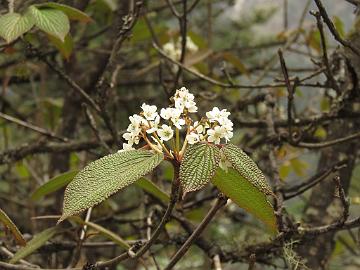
332 28
220 202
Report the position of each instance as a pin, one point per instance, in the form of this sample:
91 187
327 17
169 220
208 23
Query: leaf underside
198 166
246 196
13 25
105 176
246 167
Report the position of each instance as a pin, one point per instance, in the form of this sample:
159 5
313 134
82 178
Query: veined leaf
153 189
38 241
4 219
198 166
13 25
105 176
65 47
72 13
53 185
246 167
245 195
52 21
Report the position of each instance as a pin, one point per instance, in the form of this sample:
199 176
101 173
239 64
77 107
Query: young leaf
65 47
246 167
245 195
198 166
105 176
38 241
53 185
13 25
52 21
4 219
153 189
72 13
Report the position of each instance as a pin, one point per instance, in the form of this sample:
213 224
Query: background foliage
66 94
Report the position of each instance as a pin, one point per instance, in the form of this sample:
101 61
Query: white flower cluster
165 136
173 49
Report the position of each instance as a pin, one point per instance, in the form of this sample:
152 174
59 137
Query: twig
328 143
220 202
32 127
329 74
332 28
306 185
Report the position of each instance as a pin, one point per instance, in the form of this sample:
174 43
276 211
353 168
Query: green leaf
339 25
153 189
246 167
72 13
105 176
4 219
38 241
246 196
198 166
65 47
53 185
51 21
13 25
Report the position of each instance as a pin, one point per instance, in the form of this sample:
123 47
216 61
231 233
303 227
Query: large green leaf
246 167
245 195
53 185
153 189
52 21
72 13
38 241
105 176
4 219
198 166
13 25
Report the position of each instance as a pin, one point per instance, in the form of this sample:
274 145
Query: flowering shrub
198 149
161 132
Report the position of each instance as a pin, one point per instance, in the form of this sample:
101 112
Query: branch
32 127
332 28
220 202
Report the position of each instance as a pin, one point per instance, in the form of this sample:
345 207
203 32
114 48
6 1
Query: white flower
184 99
228 135
150 111
126 147
174 114
178 122
165 133
135 124
191 106
166 113
154 125
215 134
192 138
216 115
131 137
